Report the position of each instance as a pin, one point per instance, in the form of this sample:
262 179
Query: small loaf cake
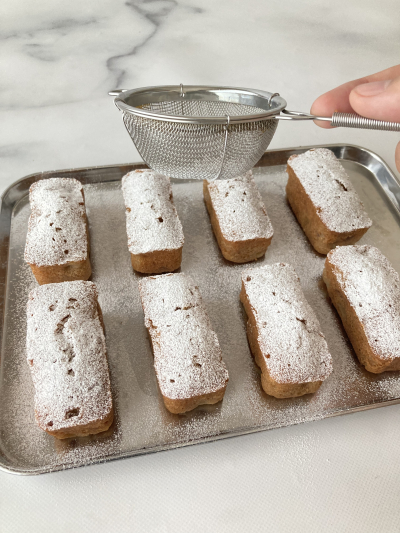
66 352
324 200
365 289
187 356
238 217
57 244
155 235
284 334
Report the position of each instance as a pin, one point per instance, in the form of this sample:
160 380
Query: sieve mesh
196 151
202 108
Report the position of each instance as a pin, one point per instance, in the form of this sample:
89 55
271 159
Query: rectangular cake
155 235
284 334
324 200
365 289
57 243
187 356
238 216
66 353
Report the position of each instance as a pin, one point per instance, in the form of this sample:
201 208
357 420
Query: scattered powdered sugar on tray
57 226
187 355
240 209
142 423
151 219
326 182
289 333
66 352
372 287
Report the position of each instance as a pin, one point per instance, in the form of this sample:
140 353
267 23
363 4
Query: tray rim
366 158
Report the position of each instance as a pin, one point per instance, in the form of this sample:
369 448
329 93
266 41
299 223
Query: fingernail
372 89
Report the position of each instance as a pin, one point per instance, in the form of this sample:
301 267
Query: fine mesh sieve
203 132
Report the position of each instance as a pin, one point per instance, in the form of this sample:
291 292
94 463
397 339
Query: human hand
376 96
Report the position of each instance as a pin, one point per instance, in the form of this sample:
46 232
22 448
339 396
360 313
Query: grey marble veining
153 13
58 62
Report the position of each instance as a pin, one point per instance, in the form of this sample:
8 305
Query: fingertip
321 105
334 100
321 108
397 156
323 124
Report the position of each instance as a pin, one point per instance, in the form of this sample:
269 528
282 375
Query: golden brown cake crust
59 273
157 262
155 235
66 353
365 290
318 221
248 235
177 407
57 244
187 356
283 332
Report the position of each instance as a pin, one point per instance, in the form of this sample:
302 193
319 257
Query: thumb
379 100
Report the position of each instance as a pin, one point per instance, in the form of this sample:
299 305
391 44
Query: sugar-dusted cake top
57 228
289 334
66 352
152 223
372 287
187 355
326 183
240 209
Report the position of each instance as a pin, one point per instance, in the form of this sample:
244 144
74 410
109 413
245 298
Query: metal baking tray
142 424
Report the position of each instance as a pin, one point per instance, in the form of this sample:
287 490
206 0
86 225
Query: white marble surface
57 61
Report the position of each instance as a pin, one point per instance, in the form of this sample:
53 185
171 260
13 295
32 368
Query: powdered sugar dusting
289 333
66 352
372 287
187 355
327 184
239 208
152 222
57 231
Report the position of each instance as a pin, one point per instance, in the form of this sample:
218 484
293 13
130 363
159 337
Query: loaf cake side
324 200
238 216
66 353
187 356
365 289
155 235
57 243
284 334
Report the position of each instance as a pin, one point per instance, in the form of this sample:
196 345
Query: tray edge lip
204 440
37 175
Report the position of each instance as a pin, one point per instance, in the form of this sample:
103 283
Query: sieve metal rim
271 102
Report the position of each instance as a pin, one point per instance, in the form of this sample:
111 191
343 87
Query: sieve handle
346 120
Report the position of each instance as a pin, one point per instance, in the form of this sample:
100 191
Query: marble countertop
58 60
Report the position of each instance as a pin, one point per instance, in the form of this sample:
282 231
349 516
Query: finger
335 100
339 99
397 157
387 74
379 100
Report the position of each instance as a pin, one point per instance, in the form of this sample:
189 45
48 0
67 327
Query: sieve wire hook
228 119
182 94
117 92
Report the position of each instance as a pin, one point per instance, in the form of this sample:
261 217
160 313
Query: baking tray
142 424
